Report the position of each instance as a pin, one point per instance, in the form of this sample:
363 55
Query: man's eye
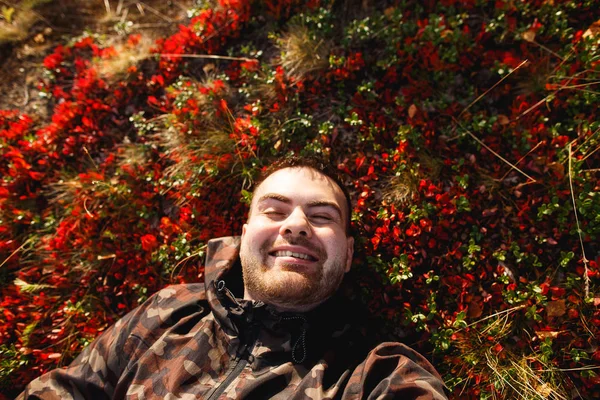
322 217
273 213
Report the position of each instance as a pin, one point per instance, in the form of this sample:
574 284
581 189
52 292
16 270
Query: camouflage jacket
197 341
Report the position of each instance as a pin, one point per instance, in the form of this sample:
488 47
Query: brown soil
59 21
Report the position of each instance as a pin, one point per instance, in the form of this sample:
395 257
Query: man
291 336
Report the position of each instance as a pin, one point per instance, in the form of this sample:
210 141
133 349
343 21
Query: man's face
294 249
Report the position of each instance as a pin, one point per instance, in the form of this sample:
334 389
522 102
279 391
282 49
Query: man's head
295 245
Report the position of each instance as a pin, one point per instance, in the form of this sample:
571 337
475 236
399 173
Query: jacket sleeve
94 374
395 371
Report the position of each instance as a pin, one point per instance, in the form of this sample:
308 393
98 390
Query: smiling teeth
292 254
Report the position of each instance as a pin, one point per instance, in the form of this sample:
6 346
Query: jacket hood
221 254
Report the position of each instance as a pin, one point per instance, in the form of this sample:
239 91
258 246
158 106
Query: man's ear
350 253
244 230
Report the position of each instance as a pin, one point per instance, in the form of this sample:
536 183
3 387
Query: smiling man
295 250
284 331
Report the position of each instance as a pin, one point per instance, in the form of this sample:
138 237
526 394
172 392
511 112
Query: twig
86 209
124 15
592 152
26 100
549 50
184 260
536 105
595 82
522 158
588 91
576 75
510 310
15 252
119 7
150 25
211 56
155 12
107 6
492 151
490 89
570 369
586 140
559 88
90 157
586 278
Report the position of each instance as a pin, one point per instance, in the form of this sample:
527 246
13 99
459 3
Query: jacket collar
221 255
223 272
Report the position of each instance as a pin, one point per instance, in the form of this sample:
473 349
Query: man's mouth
286 253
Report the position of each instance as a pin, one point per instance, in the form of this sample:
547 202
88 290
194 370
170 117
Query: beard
289 286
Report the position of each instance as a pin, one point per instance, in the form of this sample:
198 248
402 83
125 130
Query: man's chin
286 275
292 264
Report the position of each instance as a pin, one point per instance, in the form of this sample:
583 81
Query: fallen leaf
389 11
593 30
556 308
475 310
412 110
547 334
529 36
445 33
503 119
558 169
489 211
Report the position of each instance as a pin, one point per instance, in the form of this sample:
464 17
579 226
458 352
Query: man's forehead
284 180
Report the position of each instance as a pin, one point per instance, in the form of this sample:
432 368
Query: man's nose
296 224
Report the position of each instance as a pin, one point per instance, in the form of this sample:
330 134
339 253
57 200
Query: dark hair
317 164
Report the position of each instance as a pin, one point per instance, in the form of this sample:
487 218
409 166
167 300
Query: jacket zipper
234 372
239 363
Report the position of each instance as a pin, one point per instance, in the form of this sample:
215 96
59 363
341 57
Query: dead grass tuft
16 20
432 166
187 149
16 27
302 53
64 191
400 190
131 154
125 57
508 375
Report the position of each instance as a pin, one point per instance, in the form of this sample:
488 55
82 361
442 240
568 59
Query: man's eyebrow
274 196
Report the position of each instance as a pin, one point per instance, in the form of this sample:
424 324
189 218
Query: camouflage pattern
197 341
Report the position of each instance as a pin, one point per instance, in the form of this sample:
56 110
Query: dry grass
16 23
432 166
301 53
64 191
400 190
186 149
71 190
508 374
125 57
131 154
